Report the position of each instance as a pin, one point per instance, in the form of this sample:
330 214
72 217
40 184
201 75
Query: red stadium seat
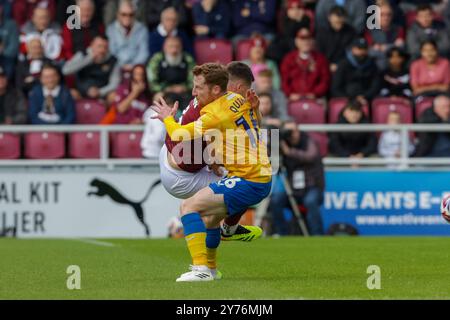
84 145
213 50
307 111
45 145
382 106
126 145
9 146
243 49
335 107
89 111
321 139
422 104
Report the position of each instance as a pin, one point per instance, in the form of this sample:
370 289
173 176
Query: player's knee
188 206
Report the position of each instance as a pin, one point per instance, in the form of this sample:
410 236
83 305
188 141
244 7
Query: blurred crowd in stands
314 61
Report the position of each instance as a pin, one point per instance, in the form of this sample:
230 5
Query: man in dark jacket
250 16
352 144
97 71
357 76
435 144
50 102
211 19
301 157
13 108
334 39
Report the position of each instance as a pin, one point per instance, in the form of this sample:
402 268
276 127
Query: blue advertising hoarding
387 202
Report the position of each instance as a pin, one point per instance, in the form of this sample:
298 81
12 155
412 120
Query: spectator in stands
133 97
335 38
29 67
269 118
79 39
357 76
7 8
23 10
303 162
50 102
390 143
9 42
168 27
97 71
264 85
356 10
258 62
305 73
295 17
352 144
49 31
389 35
435 144
395 79
430 75
13 106
211 19
249 16
112 7
128 37
154 132
169 72
426 28
155 8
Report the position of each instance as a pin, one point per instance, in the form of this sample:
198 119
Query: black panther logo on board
106 189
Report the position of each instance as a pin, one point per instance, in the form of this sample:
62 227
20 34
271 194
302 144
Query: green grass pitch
285 268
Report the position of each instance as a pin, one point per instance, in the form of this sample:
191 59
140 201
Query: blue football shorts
239 194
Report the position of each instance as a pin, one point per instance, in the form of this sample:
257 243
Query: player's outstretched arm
163 110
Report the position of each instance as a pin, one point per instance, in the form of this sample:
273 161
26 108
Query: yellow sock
211 257
196 243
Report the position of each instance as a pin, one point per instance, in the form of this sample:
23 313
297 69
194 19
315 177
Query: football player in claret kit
233 123
183 172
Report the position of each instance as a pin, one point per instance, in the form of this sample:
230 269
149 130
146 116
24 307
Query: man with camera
305 175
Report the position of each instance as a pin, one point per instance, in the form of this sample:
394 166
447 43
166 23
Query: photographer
304 167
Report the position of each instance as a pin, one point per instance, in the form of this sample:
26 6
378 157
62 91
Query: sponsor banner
74 204
387 203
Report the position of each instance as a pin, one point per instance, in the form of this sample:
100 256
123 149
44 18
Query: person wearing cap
9 42
13 107
257 60
294 17
305 72
30 65
334 39
357 75
356 10
211 19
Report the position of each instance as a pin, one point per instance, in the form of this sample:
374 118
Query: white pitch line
96 242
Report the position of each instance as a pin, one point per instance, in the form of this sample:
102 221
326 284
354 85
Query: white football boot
197 273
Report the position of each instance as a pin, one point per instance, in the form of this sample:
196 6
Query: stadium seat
9 146
213 50
422 104
243 49
307 111
126 145
45 145
335 107
89 111
321 139
84 145
382 106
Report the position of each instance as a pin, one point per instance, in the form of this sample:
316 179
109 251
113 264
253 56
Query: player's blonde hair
215 74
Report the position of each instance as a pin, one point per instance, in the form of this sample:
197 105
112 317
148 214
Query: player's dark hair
215 74
424 7
241 71
430 42
338 11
